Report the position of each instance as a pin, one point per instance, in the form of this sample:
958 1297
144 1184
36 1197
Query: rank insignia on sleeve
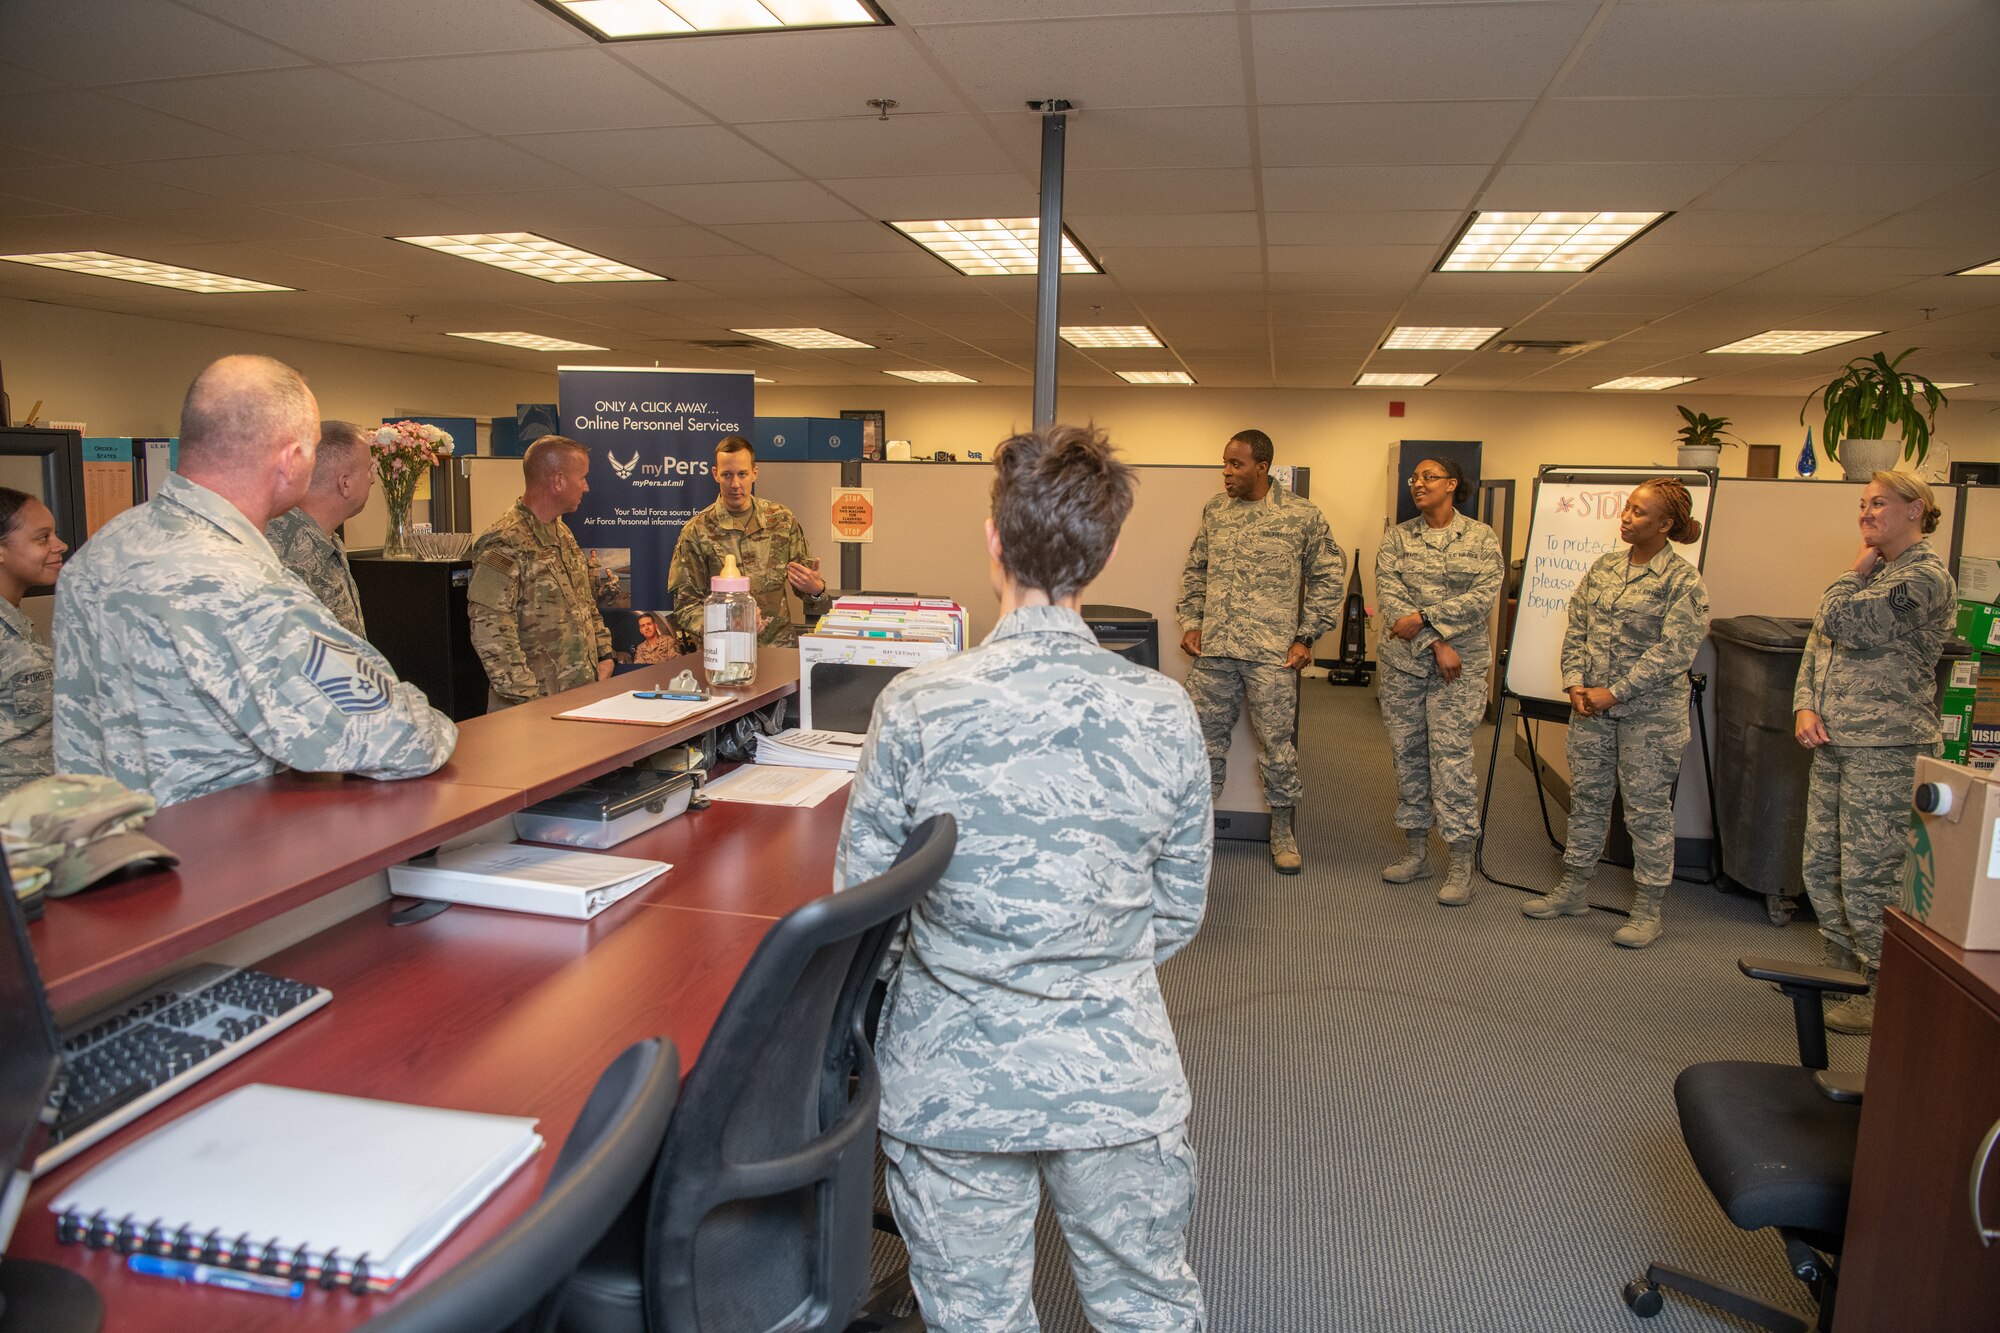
354 685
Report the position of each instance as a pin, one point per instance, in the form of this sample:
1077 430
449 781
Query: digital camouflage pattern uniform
763 540
1451 576
1633 630
320 558
1869 671
1250 564
535 623
1024 1042
188 660
27 699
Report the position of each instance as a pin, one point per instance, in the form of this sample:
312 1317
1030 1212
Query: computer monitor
33 1295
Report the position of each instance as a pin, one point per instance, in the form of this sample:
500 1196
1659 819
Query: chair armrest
1843 1088
1809 975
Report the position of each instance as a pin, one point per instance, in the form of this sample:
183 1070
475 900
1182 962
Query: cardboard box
1951 879
1979 625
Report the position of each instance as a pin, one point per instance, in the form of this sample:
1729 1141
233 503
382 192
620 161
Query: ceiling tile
1184 259
1775 186
1404 228
910 198
1637 187
1909 128
264 178
1740 47
385 29
452 166
104 189
1731 227
80 46
1405 262
1210 136
92 127
685 155
644 245
1387 132
857 264
748 201
1958 59
1371 188
1157 191
1129 61
292 108
503 94
865 146
549 212
795 76
1661 129
1376 53
1238 228
817 238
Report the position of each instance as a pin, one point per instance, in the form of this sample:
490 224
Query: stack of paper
811 749
905 619
764 784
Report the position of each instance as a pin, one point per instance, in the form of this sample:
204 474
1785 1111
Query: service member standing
187 658
1635 624
1866 706
767 541
1025 1044
535 623
1437 578
1262 582
306 537
30 557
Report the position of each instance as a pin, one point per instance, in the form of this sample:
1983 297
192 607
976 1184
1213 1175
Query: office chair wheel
1643 1298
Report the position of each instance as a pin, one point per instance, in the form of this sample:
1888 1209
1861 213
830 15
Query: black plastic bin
1761 770
1125 630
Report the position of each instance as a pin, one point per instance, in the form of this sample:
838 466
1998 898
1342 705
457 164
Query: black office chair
601 1168
1775 1146
761 1211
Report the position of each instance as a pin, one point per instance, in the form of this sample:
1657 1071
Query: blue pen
670 694
208 1275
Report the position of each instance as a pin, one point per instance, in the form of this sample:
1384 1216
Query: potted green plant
1863 402
1702 438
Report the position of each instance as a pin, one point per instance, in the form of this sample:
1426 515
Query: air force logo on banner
354 686
624 470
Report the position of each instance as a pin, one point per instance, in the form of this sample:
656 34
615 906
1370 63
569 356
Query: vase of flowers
404 453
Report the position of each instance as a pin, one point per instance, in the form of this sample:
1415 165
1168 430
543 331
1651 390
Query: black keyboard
124 1061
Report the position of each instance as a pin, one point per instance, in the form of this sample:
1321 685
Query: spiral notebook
342 1191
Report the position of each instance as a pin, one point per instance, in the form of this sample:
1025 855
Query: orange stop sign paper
853 514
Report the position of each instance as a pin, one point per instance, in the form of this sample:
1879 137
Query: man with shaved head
535 623
188 659
307 537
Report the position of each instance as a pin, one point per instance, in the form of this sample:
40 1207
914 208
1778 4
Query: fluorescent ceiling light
125 269
931 376
1110 335
536 256
1378 381
1987 270
1542 242
811 339
1417 338
1156 377
534 342
1647 382
623 20
1795 342
1953 384
759 379
991 247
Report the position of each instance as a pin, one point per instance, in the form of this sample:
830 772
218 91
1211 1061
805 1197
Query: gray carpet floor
1413 1117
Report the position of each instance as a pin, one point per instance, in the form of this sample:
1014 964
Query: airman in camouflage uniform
535 622
27 700
1868 677
1450 577
1025 1042
1634 629
769 546
1262 582
188 659
319 558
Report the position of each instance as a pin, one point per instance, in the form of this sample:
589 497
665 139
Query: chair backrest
761 1211
602 1165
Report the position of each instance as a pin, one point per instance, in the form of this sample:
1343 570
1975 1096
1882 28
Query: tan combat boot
1415 862
1570 897
1284 848
1456 891
1642 927
1855 1015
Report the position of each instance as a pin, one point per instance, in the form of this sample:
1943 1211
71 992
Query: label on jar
719 648
715 617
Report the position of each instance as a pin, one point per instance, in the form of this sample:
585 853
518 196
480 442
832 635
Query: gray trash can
1761 770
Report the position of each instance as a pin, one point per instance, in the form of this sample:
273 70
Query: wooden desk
255 851
1912 1259
488 1011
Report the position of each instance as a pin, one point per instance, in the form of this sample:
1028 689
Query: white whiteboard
1575 520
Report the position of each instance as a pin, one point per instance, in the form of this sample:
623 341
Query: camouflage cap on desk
79 829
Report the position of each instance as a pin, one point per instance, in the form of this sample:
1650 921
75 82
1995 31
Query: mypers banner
652 437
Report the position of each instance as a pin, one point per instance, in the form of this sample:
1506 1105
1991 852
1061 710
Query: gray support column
1048 276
